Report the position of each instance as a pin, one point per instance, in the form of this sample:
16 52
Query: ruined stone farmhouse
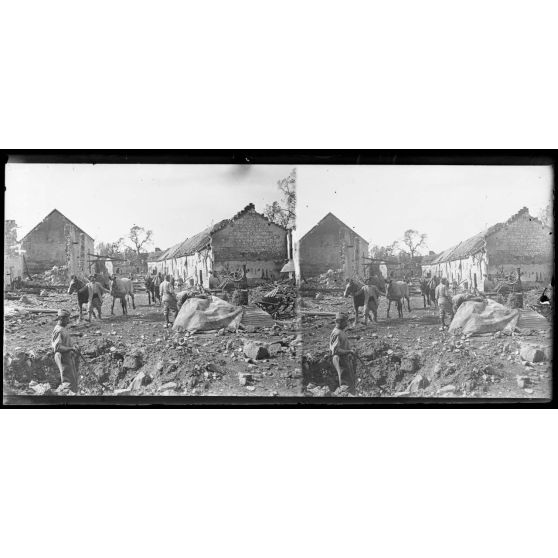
331 244
247 240
521 242
57 241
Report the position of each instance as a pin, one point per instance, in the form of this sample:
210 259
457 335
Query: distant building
152 259
57 241
427 260
131 265
331 244
246 241
521 242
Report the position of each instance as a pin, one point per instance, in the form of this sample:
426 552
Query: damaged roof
166 254
198 241
201 240
475 243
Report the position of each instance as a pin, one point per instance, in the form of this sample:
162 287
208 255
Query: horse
80 287
357 292
433 283
152 291
397 291
157 280
427 289
120 287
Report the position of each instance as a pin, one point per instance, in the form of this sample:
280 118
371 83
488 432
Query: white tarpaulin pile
205 314
484 317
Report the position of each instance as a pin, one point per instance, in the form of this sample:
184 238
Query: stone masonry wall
250 237
326 248
46 245
320 252
523 242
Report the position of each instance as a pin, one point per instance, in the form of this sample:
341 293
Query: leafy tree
413 241
284 212
111 249
139 237
383 252
11 245
545 215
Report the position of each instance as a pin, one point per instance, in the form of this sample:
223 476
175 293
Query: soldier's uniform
343 362
66 359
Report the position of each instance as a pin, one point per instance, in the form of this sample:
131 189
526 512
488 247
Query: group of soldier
344 358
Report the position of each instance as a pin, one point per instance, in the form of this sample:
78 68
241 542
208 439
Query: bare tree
284 212
413 240
139 237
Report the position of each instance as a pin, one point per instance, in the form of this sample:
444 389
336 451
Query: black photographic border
293 158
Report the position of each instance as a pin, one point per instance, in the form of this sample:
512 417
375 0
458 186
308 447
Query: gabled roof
475 243
166 254
462 250
339 222
60 213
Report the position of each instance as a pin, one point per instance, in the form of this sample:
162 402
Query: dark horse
428 290
79 287
357 293
152 289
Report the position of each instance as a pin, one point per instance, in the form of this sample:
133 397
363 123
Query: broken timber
322 290
35 310
311 313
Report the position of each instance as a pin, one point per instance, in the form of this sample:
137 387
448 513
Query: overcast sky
448 203
175 201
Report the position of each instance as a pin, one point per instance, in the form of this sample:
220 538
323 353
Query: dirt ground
119 349
412 357
137 355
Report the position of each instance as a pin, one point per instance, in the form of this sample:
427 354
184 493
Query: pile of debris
173 362
454 365
467 366
58 276
540 301
331 279
277 299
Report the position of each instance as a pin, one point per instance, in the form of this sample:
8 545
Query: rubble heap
278 299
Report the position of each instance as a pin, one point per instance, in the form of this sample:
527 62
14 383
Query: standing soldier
443 298
342 355
95 300
166 290
66 355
